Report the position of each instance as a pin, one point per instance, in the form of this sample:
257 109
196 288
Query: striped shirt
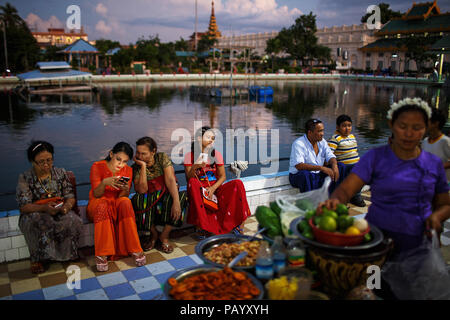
344 148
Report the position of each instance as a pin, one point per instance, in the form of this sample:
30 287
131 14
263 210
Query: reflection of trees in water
115 100
15 112
300 103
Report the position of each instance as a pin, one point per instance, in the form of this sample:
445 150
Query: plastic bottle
264 262
296 253
278 254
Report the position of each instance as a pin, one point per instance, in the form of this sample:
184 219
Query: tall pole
4 44
195 32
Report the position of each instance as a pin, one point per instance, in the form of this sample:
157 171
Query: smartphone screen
124 179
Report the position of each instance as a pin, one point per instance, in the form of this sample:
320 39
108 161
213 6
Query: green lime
317 220
330 213
341 209
303 225
328 223
308 234
367 237
309 214
344 222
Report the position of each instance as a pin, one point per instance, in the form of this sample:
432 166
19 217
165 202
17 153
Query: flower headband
409 101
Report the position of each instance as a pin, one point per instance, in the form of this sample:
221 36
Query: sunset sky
128 20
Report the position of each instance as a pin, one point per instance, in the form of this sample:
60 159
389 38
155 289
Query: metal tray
192 271
215 241
376 240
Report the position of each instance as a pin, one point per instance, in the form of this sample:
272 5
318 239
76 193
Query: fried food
226 252
225 284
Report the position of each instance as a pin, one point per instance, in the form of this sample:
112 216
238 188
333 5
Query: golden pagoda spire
213 30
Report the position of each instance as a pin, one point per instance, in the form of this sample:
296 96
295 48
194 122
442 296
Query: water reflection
83 127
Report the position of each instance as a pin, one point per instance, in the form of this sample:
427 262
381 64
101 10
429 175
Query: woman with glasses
111 210
205 173
46 197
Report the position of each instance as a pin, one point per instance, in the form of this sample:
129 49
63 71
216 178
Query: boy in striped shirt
345 148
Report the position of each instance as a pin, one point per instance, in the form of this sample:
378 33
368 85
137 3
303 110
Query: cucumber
269 220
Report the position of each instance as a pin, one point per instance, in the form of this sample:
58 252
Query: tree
22 48
416 49
206 42
103 45
299 41
386 14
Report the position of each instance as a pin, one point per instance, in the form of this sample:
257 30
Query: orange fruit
352 231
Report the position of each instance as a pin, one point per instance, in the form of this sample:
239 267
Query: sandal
149 244
102 263
166 247
37 267
139 258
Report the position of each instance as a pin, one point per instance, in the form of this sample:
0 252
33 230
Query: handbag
209 203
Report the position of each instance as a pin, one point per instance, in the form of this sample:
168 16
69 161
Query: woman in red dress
209 173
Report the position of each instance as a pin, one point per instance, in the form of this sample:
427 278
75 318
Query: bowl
196 270
207 244
377 238
336 238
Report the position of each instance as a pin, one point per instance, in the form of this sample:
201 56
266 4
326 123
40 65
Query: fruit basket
335 238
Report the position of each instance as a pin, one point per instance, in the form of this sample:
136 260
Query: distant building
422 19
257 41
213 30
58 37
344 42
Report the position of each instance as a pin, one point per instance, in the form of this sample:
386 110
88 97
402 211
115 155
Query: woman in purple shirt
409 189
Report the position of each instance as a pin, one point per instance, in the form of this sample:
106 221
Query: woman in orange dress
111 210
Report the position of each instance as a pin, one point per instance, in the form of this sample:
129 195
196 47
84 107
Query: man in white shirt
312 160
438 143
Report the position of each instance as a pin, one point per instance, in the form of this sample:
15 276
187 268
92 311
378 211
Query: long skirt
233 207
51 237
160 213
115 229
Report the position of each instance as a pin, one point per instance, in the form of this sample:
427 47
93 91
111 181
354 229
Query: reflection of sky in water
83 128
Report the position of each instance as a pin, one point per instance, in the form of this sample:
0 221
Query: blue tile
6 298
88 285
13 213
57 292
136 273
98 294
133 297
146 284
151 295
69 298
197 259
111 279
3 214
119 291
30 295
162 278
182 262
159 267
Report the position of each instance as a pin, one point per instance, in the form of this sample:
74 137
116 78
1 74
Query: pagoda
213 30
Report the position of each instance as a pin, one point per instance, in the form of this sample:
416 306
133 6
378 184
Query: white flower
409 101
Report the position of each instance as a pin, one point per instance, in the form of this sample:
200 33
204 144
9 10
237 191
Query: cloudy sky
128 20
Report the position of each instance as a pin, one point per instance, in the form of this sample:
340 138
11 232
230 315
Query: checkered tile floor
123 280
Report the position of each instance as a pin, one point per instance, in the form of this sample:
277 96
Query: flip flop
37 267
149 245
166 247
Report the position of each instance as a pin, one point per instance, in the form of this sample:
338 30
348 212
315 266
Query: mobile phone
124 179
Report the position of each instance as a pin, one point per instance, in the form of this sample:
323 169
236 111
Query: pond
83 127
